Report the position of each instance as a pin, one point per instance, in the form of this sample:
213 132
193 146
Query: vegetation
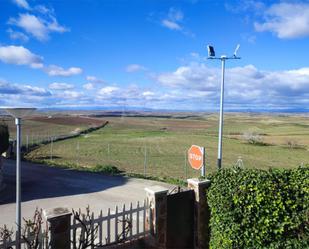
4 138
254 139
33 233
107 169
253 208
152 146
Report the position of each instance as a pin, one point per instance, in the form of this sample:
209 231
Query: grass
130 143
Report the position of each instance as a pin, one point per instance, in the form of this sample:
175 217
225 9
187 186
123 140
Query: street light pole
18 113
223 58
18 179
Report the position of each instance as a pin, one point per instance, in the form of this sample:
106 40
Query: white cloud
195 76
245 6
16 35
286 20
245 86
44 10
22 3
94 79
148 95
54 70
108 90
55 27
171 25
134 68
36 26
60 86
71 95
89 86
20 56
21 89
173 19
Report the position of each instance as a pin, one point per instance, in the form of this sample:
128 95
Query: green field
160 144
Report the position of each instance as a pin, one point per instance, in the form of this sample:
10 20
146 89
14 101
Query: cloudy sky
152 54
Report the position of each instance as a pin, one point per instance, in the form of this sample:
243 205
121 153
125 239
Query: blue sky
152 54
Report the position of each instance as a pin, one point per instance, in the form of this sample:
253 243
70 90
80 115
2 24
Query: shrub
254 138
4 138
292 144
253 208
107 169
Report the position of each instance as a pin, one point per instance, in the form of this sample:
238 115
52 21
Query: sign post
196 158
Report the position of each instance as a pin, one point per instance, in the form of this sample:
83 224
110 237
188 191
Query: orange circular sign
196 156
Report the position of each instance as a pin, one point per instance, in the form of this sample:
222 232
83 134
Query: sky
153 54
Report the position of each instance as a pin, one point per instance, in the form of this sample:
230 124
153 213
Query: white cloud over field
192 87
245 86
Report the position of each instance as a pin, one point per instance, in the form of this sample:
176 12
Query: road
47 187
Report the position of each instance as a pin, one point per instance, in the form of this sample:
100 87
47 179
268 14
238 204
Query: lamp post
223 58
18 113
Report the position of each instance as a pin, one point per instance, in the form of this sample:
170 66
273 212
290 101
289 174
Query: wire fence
160 159
146 160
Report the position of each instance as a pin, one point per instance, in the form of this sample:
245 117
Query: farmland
42 126
157 145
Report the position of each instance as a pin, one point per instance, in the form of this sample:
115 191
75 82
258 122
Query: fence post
108 151
59 224
186 166
156 221
27 143
77 153
51 148
202 212
145 160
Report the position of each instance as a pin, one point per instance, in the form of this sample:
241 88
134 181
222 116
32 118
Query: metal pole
221 115
51 148
18 179
27 144
108 150
145 160
203 169
77 152
185 166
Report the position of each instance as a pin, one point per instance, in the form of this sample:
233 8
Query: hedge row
253 208
4 138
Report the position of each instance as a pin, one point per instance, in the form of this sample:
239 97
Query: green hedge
4 138
253 208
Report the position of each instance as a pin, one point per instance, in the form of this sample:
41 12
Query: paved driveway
47 187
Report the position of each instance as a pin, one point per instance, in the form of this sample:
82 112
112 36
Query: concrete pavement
47 187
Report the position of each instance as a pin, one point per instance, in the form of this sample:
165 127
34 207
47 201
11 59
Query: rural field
42 126
156 145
